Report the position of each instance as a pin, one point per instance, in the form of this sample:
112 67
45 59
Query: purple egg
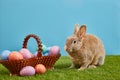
26 53
27 71
55 50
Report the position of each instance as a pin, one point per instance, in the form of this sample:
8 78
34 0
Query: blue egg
4 55
48 49
35 54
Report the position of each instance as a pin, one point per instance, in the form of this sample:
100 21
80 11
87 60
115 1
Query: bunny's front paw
91 66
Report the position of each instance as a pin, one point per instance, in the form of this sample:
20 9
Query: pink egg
27 71
15 56
26 53
40 69
55 50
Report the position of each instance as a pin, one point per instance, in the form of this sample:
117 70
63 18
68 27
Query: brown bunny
85 50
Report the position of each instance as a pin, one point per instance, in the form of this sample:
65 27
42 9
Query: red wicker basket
15 66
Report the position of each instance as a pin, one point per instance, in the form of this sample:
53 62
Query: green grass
109 71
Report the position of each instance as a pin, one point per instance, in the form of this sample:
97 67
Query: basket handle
39 54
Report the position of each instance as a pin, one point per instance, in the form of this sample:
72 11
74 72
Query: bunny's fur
85 50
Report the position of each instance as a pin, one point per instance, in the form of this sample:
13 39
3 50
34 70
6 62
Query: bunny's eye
74 42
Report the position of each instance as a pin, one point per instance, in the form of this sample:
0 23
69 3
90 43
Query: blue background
53 21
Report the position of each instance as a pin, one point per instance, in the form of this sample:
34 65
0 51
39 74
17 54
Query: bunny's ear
82 31
76 29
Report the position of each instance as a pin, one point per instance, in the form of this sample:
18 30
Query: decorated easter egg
55 50
27 71
44 49
26 53
15 56
4 55
47 51
40 69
